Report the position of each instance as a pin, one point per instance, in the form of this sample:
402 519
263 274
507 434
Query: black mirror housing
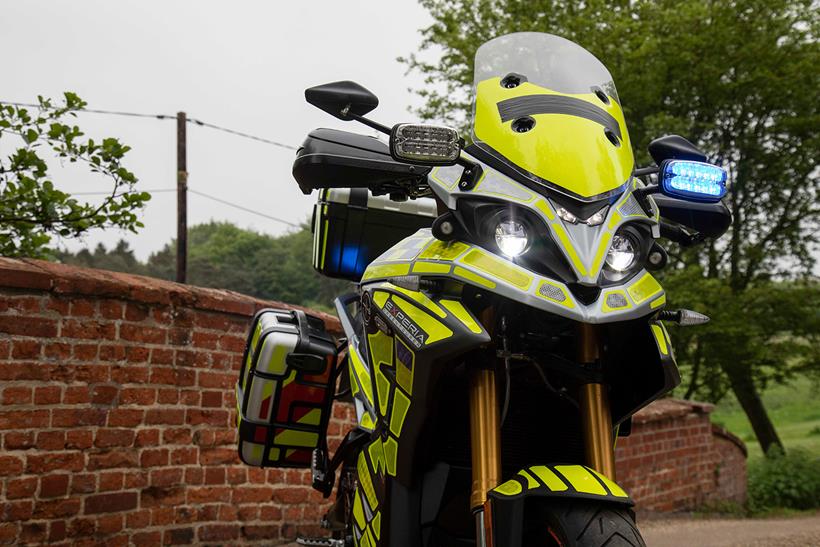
674 147
340 99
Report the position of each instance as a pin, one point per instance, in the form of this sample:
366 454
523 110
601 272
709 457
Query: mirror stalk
368 122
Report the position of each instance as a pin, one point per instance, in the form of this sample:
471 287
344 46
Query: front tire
580 523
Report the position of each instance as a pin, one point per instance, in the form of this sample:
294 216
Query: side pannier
285 389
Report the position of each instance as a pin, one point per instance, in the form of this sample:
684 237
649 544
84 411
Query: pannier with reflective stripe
285 389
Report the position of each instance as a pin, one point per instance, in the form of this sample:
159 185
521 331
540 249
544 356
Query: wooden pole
182 199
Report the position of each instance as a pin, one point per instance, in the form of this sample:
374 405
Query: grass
794 408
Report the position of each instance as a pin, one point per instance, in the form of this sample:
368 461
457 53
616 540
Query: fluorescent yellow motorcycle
506 324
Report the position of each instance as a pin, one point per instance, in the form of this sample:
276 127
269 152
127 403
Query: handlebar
677 234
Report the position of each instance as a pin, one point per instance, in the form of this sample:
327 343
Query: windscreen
549 108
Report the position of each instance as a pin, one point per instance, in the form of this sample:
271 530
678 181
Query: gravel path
776 532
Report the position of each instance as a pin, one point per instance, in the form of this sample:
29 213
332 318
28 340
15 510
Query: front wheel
580 523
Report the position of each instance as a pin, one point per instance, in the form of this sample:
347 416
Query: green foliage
32 208
737 77
790 481
224 256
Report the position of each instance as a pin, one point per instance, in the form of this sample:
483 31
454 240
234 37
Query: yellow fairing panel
568 151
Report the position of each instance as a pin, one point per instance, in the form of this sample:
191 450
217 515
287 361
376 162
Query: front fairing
583 248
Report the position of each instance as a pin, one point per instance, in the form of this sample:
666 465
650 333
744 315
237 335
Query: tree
32 209
119 259
737 77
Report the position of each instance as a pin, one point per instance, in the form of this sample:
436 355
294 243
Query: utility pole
182 199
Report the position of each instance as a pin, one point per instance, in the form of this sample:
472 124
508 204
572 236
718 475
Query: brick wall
116 405
676 459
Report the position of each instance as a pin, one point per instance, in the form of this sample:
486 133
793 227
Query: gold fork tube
485 435
596 416
599 446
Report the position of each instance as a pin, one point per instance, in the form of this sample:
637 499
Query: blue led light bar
692 180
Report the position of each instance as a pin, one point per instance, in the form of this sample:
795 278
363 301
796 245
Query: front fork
485 427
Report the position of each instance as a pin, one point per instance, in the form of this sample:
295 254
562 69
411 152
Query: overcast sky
241 64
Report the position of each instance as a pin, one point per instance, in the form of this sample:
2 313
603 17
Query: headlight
511 237
622 253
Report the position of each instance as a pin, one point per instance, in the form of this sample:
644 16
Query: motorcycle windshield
548 108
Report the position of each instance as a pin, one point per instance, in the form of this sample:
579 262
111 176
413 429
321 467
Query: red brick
49 395
136 479
137 354
113 459
171 416
125 417
53 486
162 516
212 398
130 374
83 308
85 352
78 439
154 457
220 380
110 503
219 532
76 395
135 312
77 417
110 352
237 475
17 395
56 531
112 480
166 477
208 494
109 524
86 329
111 309
25 349
51 440
173 376
155 496
137 396
107 438
160 356
24 419
17 510
147 538
21 488
215 475
167 396
8 532
33 532
290 494
249 494
209 417
104 395
19 440
39 327
179 337
10 465
147 437
83 483
81 527
54 509
194 475
186 455
178 536
138 519
218 456
254 533
54 461
142 333
57 350
180 435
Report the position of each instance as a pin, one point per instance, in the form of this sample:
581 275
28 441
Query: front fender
507 501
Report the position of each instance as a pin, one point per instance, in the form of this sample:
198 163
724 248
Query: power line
240 134
204 195
155 190
99 111
241 208
168 117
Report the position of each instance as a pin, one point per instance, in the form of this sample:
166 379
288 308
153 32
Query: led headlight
622 253
511 237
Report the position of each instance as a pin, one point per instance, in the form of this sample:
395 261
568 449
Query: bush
790 481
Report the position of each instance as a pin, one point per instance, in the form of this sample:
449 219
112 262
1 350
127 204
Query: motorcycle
505 325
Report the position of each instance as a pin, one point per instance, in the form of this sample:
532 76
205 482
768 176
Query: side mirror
425 144
341 99
674 147
692 181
